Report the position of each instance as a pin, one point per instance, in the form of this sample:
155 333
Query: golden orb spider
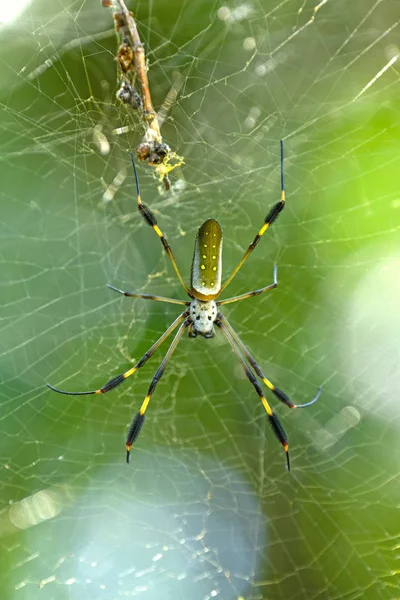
202 313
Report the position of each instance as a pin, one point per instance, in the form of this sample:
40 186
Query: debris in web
134 92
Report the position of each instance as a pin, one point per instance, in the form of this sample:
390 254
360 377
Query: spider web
206 508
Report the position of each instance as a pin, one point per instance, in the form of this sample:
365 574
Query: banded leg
151 220
148 296
271 286
251 360
112 383
269 219
138 420
273 419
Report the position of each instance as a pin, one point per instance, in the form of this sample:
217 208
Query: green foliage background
206 508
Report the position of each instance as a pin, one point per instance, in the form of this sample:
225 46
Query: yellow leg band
144 405
263 229
266 406
130 372
158 231
268 384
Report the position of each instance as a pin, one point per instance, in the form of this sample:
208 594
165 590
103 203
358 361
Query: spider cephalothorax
202 314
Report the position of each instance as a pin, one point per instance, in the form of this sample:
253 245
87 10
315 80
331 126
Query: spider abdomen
207 261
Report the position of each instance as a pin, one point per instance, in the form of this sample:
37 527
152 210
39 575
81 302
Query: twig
132 64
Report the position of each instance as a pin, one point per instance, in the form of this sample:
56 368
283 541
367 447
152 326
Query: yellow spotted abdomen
207 261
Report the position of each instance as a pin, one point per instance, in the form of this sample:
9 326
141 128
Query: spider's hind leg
151 220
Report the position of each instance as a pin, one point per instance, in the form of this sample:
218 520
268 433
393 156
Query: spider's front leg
253 363
138 419
272 418
192 333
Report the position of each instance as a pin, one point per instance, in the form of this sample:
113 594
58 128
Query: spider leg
251 360
273 419
151 220
112 383
148 296
271 286
138 419
269 219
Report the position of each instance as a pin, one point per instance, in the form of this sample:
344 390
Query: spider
202 314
